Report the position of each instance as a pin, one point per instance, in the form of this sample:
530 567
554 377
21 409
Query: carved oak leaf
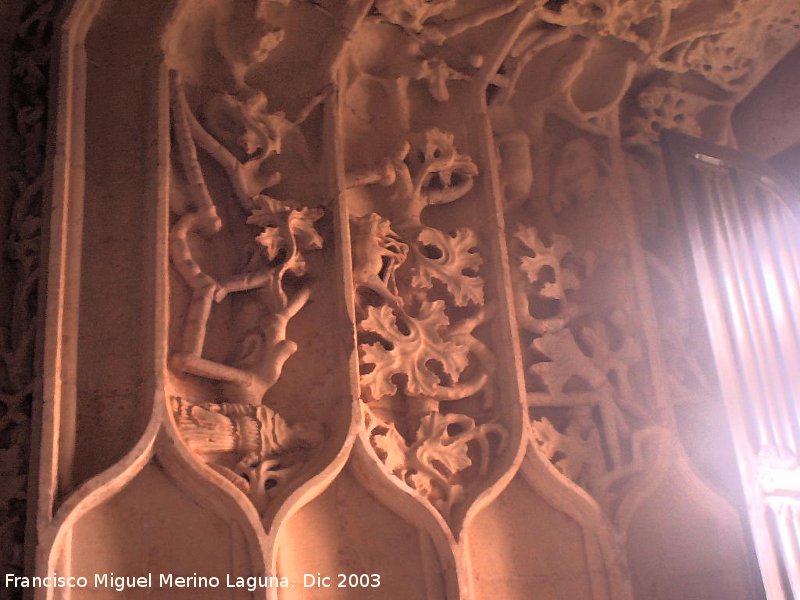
410 354
544 268
456 267
393 446
568 451
276 218
576 453
272 240
439 172
301 223
440 450
610 358
440 453
269 214
567 362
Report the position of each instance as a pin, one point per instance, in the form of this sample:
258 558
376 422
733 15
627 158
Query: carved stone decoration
547 275
590 85
442 425
20 249
265 448
375 266
584 409
276 253
237 433
419 298
667 108
729 49
577 176
412 14
516 170
664 45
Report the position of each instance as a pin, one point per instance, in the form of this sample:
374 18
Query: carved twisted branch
246 442
249 381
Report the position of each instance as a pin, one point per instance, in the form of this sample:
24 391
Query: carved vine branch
241 437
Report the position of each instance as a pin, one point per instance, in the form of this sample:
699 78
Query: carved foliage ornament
420 296
238 434
609 49
587 416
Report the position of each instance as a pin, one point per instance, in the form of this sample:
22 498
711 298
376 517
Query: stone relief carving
238 434
584 361
419 298
20 250
428 377
587 416
677 41
729 49
666 108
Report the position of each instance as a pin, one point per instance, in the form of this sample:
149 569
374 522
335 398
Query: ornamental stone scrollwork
729 50
433 423
666 108
582 84
667 63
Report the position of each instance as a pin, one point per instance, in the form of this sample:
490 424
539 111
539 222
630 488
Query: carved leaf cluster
598 364
456 267
544 268
580 371
439 453
440 173
410 354
284 226
576 452
565 363
615 359
569 453
247 129
665 108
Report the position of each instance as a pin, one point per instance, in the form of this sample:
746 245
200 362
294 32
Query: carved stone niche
296 247
199 342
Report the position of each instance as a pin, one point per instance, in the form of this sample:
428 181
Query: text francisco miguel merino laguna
163 580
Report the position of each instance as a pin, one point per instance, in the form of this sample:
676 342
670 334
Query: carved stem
234 169
188 152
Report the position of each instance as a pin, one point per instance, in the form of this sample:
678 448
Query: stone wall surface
392 289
